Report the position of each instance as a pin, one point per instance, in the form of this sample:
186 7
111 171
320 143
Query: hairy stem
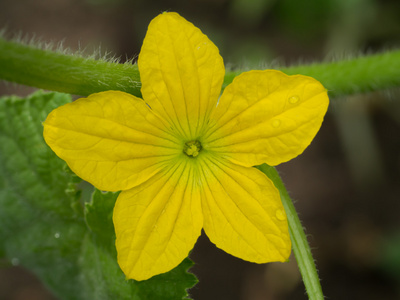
350 76
72 74
300 245
56 71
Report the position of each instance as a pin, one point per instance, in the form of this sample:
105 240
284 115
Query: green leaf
163 286
98 215
38 228
45 225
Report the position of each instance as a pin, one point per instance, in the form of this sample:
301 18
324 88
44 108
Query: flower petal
158 222
243 213
267 117
181 73
111 139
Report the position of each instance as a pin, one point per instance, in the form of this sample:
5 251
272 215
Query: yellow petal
181 73
267 117
111 139
158 222
243 213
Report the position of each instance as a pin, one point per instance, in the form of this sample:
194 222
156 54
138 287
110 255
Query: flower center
192 148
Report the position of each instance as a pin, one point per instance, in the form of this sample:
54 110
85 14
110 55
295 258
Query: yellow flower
183 157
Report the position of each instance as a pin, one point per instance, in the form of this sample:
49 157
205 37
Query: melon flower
183 155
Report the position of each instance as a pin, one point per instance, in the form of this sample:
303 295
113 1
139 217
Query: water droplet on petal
15 261
280 215
276 123
294 99
57 235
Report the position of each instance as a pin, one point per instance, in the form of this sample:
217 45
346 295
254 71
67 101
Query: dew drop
294 99
15 261
280 215
57 235
276 123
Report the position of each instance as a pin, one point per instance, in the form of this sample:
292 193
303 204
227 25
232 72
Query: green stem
83 76
350 76
300 245
59 72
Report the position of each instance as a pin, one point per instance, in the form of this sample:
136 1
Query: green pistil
192 148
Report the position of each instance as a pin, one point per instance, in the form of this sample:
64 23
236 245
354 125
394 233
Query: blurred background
346 184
